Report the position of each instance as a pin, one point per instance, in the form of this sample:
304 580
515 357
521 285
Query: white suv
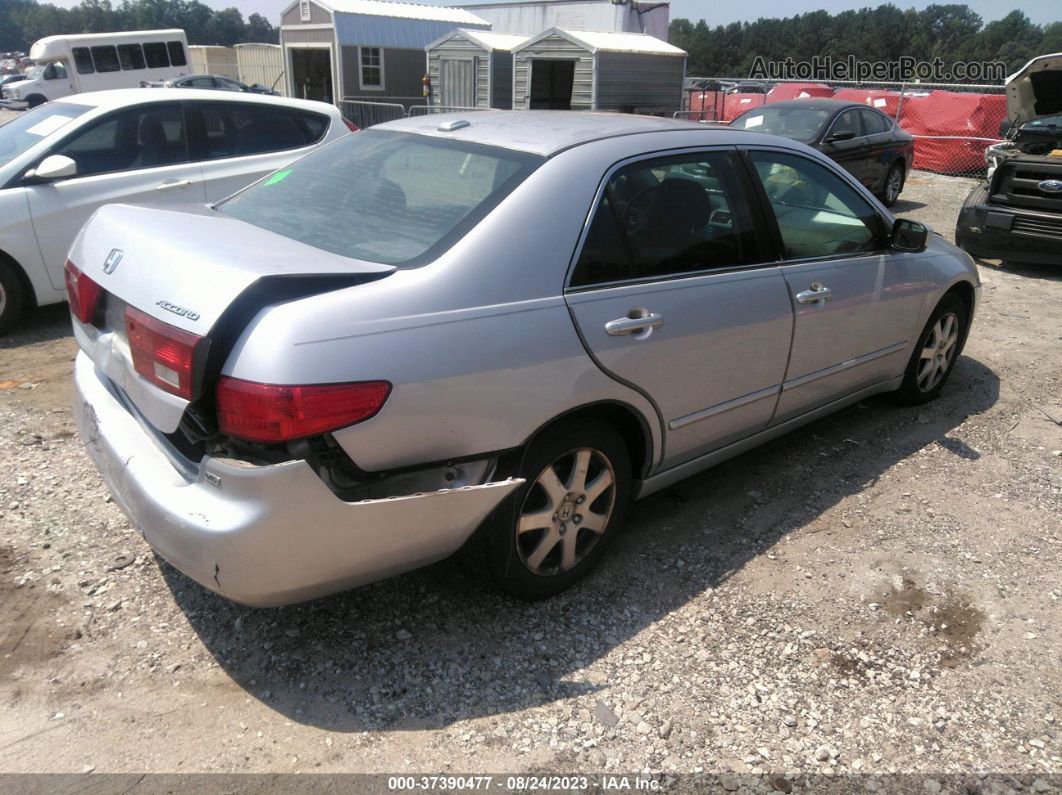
61 161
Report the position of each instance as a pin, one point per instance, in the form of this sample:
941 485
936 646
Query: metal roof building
531 17
364 49
472 68
562 69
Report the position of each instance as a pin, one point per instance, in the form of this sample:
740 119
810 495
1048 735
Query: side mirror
908 235
1004 127
52 168
845 135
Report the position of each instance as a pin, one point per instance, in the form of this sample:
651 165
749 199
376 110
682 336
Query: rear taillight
163 354
273 413
82 293
351 125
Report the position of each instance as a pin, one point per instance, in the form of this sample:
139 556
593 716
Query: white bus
74 64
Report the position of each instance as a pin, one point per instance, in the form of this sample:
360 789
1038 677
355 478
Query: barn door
458 77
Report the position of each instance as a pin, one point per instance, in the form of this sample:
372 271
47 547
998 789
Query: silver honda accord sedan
486 333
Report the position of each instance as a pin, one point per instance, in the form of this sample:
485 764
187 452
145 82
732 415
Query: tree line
953 33
22 22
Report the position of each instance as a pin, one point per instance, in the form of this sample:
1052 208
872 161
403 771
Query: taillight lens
275 413
82 293
163 354
351 125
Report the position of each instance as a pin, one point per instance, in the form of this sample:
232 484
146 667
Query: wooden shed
472 69
562 69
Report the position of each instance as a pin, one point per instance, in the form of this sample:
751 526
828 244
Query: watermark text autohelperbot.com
903 70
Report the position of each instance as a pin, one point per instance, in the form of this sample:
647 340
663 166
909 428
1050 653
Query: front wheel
936 353
578 487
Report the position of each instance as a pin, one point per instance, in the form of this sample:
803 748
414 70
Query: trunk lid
1035 90
196 270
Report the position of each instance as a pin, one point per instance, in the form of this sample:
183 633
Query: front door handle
817 295
177 183
634 323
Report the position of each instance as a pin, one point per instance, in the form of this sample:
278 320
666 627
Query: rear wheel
936 353
11 297
893 185
578 487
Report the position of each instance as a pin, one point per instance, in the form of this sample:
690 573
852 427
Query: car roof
123 97
547 132
815 103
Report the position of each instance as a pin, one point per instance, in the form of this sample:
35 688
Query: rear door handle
816 295
177 183
632 325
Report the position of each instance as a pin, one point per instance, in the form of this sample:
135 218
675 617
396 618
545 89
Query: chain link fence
952 124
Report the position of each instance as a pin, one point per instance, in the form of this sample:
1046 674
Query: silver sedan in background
486 334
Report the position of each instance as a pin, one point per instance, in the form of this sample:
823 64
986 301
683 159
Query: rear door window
148 136
83 61
105 59
874 122
666 217
176 51
131 56
156 55
239 129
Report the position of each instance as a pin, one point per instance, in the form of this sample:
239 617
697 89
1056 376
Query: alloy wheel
566 511
893 185
937 351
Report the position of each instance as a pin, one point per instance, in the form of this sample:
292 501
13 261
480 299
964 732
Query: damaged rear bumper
265 535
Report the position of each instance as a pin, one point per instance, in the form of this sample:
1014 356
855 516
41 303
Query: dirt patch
28 635
952 620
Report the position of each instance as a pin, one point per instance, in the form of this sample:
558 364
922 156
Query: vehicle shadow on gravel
1050 272
39 325
432 647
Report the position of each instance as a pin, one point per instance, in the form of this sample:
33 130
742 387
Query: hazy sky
720 13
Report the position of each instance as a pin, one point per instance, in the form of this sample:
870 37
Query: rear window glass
391 198
798 123
105 58
156 56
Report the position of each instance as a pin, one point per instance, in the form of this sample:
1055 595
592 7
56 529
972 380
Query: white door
137 155
458 79
240 142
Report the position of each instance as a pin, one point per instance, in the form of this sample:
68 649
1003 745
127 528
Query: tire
921 382
894 181
35 100
533 562
12 297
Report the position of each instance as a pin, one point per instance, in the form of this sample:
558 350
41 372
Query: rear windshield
800 124
392 198
34 126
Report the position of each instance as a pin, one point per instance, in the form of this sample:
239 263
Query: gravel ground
878 592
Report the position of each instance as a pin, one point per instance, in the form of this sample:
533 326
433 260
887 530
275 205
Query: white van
75 64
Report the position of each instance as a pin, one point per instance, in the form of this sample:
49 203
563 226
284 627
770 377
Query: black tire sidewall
15 297
504 564
909 392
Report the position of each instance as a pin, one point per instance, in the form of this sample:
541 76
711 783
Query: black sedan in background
219 82
862 139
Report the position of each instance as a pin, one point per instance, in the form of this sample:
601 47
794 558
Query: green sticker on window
273 180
